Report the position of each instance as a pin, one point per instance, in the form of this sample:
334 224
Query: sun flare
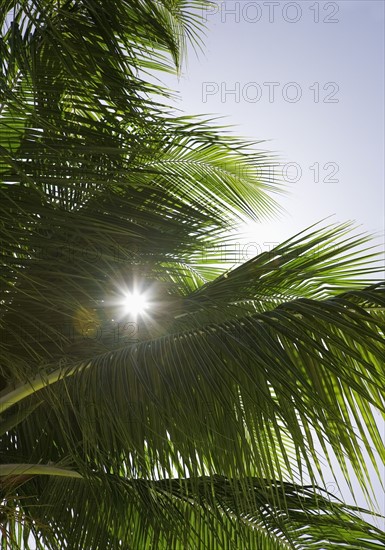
135 303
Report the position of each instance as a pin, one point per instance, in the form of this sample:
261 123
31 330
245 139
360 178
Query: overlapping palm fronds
195 426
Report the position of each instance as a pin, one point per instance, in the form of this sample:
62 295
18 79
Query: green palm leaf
187 513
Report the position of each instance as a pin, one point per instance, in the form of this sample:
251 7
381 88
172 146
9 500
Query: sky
309 78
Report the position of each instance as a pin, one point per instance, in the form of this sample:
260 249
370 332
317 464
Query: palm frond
209 512
221 398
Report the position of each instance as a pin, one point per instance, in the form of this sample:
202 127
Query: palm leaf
208 512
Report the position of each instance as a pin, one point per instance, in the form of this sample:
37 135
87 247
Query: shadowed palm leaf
233 380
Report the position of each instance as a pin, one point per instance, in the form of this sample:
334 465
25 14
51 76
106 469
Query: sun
135 303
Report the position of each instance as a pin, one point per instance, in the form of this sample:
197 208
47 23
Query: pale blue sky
243 53
346 131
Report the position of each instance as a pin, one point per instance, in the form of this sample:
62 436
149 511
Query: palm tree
194 424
